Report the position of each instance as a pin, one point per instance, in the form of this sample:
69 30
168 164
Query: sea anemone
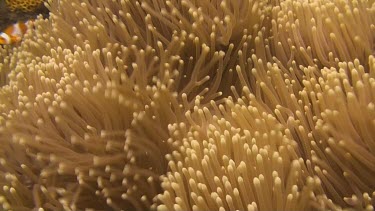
190 105
237 157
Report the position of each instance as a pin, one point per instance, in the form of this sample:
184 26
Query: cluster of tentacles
191 105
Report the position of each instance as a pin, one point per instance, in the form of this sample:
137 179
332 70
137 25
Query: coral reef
24 5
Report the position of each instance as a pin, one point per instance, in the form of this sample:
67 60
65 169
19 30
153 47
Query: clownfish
14 33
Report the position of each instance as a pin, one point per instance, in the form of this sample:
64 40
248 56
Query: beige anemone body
191 105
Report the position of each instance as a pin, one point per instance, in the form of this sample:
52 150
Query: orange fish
14 33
